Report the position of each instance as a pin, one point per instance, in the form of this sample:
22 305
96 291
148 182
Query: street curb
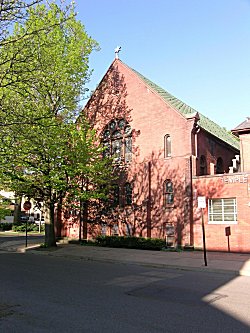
32 250
145 264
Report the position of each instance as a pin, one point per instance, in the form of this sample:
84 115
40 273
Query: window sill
170 206
223 222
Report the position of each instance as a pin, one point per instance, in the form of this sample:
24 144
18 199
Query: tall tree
16 49
47 155
13 11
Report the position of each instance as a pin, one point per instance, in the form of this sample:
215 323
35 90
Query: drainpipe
191 215
149 202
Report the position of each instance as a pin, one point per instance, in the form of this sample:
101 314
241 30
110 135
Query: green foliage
131 242
4 212
31 227
88 242
43 154
5 226
4 207
13 11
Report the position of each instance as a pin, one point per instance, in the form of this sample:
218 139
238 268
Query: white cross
117 50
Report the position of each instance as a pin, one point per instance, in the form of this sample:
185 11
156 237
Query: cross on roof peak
117 50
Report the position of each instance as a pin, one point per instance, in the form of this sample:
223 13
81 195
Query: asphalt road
40 293
5 237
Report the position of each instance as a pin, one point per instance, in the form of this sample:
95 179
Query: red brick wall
226 186
245 152
146 112
212 149
152 119
122 94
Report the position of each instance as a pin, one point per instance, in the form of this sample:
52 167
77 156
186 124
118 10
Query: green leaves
43 153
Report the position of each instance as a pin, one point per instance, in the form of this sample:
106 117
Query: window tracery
117 140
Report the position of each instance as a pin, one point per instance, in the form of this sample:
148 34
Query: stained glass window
117 140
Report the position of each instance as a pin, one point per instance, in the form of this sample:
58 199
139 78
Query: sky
197 50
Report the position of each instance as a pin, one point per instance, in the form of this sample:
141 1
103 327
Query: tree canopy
44 154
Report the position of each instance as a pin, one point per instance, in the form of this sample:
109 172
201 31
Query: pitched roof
242 127
205 123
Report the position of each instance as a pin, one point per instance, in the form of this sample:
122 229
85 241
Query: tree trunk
17 211
50 239
85 220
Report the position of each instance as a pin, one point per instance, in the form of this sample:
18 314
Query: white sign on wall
201 202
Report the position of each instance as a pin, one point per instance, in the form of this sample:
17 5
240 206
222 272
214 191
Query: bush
5 226
131 242
30 227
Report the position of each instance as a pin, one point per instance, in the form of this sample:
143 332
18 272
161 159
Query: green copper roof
205 123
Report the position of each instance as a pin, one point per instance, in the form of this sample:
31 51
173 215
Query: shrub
131 242
30 227
89 242
5 226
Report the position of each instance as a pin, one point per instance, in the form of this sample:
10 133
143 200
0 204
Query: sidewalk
228 263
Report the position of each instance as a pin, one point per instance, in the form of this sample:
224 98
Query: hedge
30 227
131 242
5 226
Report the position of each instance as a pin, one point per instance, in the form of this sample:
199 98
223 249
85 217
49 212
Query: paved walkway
229 263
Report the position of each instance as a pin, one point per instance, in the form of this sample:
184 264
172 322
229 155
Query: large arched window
167 145
168 192
219 165
117 139
203 165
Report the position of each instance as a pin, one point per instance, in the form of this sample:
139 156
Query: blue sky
197 50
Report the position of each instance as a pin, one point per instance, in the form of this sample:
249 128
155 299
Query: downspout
194 152
149 202
191 215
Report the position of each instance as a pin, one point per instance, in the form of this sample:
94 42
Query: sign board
228 231
27 205
201 202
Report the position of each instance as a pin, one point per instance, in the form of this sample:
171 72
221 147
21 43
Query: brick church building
166 155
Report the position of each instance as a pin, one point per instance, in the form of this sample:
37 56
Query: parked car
23 219
37 221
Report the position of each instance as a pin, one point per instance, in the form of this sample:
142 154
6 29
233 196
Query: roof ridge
184 109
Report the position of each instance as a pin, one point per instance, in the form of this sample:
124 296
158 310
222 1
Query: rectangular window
168 193
115 230
222 211
128 149
128 194
167 145
104 230
114 195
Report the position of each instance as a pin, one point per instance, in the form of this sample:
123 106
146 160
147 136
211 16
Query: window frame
167 146
219 165
126 194
203 165
215 211
115 229
115 195
168 193
117 137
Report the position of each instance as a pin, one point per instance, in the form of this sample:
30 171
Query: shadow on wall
150 213
209 187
